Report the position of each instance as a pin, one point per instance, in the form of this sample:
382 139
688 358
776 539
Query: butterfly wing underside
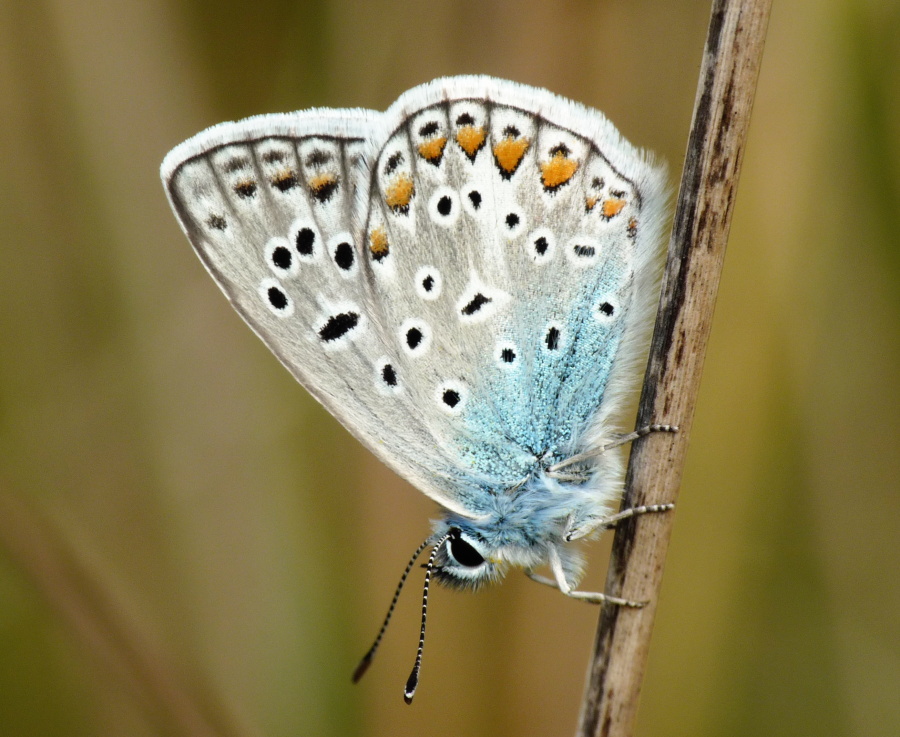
458 280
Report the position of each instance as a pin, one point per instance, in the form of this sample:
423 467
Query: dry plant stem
703 214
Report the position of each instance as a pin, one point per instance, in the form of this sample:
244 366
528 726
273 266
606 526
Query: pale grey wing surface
274 207
513 238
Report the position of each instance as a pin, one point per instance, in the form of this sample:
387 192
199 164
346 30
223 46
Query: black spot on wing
337 326
476 303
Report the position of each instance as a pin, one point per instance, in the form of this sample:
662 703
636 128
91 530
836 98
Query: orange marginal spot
558 170
432 149
632 228
611 208
245 188
590 202
378 243
320 181
470 139
399 192
284 180
509 153
323 186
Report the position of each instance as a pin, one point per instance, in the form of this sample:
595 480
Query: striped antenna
413 681
367 658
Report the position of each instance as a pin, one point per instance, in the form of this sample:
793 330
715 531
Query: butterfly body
465 281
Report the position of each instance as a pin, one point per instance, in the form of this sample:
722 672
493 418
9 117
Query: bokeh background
189 545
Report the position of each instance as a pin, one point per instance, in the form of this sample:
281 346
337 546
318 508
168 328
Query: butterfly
466 282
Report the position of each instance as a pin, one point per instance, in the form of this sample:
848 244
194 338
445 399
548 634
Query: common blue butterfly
467 282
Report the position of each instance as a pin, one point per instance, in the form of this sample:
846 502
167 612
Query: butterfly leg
560 582
639 433
577 530
610 522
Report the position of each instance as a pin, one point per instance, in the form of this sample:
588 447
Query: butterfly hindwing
511 242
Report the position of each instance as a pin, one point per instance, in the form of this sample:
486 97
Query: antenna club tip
411 685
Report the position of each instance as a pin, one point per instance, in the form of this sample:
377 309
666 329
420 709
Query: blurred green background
189 545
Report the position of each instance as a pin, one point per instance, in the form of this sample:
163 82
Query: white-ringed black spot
480 301
337 326
506 354
598 183
343 255
477 302
541 245
387 380
443 207
511 131
551 339
414 338
465 119
275 298
606 309
428 283
472 200
282 258
560 148
451 396
305 240
583 250
514 222
273 157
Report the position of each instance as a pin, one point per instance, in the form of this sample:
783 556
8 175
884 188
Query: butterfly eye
464 554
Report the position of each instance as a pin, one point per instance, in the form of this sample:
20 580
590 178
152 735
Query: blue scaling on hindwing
538 408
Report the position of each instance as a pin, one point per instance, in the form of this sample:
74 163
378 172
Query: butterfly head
479 552
465 561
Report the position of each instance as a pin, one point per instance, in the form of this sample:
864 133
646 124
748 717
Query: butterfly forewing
274 220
